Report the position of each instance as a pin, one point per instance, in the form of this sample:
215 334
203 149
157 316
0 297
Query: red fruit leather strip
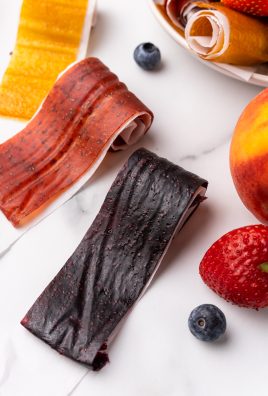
82 116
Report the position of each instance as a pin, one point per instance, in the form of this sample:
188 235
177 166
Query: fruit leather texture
83 115
220 34
175 10
178 11
48 40
79 313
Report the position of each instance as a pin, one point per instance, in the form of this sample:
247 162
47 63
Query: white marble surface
154 354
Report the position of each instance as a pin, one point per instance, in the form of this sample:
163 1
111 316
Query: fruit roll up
81 310
177 12
87 112
223 35
51 35
217 33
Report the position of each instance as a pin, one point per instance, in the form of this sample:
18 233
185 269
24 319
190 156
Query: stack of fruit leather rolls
218 33
81 310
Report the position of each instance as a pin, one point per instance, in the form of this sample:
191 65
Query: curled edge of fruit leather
87 112
178 10
83 308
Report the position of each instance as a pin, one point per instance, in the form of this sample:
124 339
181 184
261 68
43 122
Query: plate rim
256 78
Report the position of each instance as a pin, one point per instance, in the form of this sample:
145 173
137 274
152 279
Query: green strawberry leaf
264 267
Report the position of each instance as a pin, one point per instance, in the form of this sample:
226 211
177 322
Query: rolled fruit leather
87 112
177 11
81 310
218 33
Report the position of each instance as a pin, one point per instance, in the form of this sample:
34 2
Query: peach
249 157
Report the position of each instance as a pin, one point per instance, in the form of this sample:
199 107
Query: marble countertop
154 355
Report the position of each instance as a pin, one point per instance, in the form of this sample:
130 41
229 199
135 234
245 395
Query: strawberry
252 7
236 266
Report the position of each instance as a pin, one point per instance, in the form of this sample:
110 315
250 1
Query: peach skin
249 156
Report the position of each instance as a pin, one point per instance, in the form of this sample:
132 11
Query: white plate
259 77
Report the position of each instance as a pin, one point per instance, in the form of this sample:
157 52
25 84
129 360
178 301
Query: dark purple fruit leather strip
81 308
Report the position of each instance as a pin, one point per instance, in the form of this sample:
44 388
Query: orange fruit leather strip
248 37
83 112
48 39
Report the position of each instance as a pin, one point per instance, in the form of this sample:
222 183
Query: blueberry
207 322
147 56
